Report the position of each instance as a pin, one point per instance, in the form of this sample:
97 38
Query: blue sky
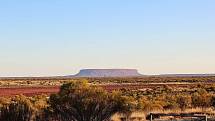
59 37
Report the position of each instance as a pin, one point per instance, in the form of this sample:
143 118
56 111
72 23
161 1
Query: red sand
30 91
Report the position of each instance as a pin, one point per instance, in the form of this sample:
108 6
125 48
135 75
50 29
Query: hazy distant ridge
187 75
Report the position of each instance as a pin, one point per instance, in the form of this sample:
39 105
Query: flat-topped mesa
108 73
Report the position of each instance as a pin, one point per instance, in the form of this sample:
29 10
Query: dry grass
135 116
139 114
190 110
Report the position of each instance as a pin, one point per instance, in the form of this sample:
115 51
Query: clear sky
59 37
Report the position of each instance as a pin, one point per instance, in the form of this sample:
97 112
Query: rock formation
108 73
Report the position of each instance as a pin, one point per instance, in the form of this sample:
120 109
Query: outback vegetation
80 100
54 81
76 101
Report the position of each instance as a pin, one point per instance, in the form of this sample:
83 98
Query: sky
60 37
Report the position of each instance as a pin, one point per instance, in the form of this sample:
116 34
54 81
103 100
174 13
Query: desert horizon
103 70
107 60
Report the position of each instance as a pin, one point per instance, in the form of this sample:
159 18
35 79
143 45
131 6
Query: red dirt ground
30 91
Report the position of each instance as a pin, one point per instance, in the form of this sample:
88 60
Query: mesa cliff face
108 73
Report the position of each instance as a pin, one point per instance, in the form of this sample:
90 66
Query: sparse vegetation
89 101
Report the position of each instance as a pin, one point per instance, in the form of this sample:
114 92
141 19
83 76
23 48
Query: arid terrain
33 86
48 85
165 95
